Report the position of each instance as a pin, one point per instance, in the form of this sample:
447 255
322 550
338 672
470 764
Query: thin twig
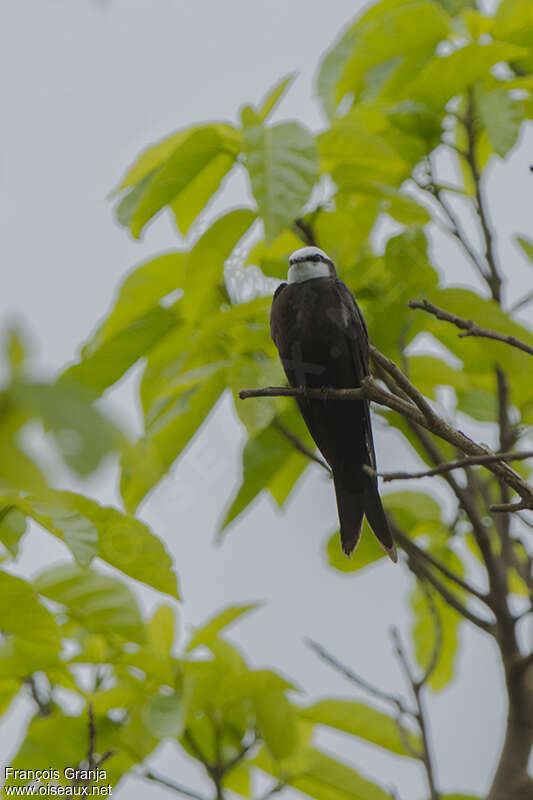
278 787
510 507
298 444
422 571
469 327
387 697
450 465
150 775
417 553
417 688
494 281
44 704
523 301
370 390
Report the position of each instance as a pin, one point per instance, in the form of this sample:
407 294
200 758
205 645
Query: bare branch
469 327
298 444
150 775
523 301
421 570
360 682
416 688
370 390
449 466
417 553
495 280
510 507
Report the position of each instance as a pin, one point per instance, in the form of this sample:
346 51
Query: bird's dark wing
274 313
357 334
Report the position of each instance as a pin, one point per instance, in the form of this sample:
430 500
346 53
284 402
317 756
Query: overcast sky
85 86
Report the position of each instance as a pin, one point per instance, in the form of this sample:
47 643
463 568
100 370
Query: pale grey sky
85 86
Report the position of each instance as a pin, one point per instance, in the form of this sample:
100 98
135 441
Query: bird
322 341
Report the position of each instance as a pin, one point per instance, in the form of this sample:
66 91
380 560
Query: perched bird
322 341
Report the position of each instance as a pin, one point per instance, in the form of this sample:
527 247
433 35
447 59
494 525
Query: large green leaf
423 630
92 530
204 635
397 34
84 435
263 458
12 528
283 167
99 603
195 166
321 776
276 721
33 638
54 742
151 458
362 720
501 115
139 293
101 366
445 77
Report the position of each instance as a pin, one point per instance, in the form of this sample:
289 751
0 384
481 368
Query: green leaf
164 715
161 630
263 458
204 269
90 529
139 293
151 458
237 780
102 366
196 196
204 635
445 77
513 22
8 691
321 776
368 551
53 742
526 245
276 721
188 161
83 434
283 167
12 528
100 603
501 116
274 96
153 158
15 344
417 513
362 720
33 637
423 630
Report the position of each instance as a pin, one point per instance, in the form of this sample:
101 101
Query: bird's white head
308 263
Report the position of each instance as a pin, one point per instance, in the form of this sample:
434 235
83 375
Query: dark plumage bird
322 341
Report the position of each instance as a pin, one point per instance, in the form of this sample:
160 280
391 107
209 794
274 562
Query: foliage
407 80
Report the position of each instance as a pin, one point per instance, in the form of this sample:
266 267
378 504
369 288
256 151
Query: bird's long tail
352 507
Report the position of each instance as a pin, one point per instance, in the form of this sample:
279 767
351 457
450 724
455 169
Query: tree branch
150 775
298 444
370 390
469 327
449 466
352 676
418 554
416 688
